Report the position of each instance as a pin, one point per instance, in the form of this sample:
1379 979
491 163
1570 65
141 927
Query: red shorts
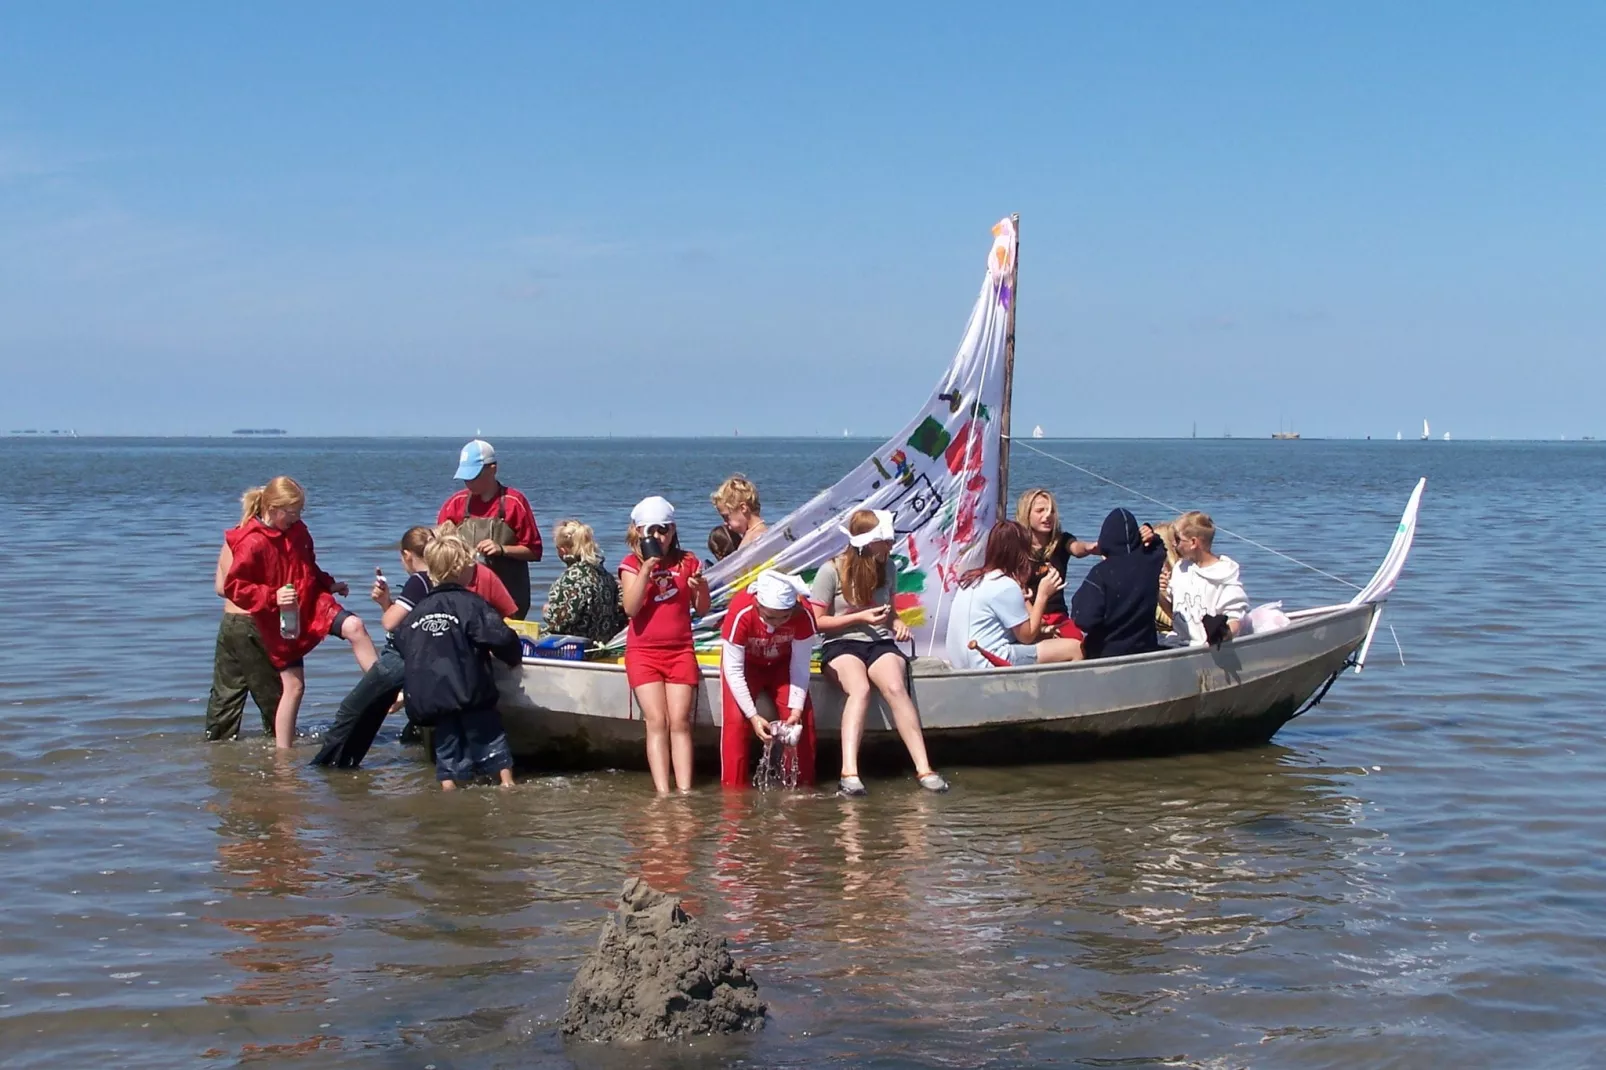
1067 626
649 666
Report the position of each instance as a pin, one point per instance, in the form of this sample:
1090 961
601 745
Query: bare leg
855 684
681 700
362 647
506 776
448 785
888 675
294 681
1052 650
654 705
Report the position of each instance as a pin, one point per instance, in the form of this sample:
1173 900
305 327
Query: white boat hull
572 715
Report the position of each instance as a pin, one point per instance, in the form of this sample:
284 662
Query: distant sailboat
1398 437
1447 436
1426 434
1037 432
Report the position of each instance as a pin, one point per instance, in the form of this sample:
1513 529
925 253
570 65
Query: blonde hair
735 492
1023 515
447 557
280 492
576 542
1168 535
1196 525
858 572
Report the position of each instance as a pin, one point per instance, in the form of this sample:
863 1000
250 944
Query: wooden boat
579 714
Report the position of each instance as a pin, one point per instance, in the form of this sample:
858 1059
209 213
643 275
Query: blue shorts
470 743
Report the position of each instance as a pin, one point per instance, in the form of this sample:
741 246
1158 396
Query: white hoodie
1197 591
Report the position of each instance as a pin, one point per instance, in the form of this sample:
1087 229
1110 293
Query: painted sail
938 476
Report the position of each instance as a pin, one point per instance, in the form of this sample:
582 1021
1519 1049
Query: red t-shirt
765 646
664 621
516 512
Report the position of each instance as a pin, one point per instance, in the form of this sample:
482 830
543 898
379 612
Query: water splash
777 766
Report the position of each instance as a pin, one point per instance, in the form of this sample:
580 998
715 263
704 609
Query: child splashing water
274 576
767 636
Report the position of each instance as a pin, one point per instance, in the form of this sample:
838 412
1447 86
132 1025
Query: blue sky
679 219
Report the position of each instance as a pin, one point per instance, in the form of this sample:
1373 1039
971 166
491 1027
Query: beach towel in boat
938 477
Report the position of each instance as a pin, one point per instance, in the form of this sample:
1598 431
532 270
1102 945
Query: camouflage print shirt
585 601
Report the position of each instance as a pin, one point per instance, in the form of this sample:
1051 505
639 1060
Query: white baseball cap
473 457
652 512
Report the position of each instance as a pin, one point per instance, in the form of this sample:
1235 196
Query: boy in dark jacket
447 642
1114 607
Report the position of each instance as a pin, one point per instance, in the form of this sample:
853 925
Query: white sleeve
798 691
1233 601
733 667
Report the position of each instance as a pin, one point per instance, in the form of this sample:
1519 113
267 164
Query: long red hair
1009 550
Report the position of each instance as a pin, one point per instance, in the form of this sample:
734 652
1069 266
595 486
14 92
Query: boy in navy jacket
447 642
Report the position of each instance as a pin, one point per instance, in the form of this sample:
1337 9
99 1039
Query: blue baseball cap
473 457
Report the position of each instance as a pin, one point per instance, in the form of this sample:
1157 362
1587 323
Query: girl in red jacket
769 637
661 586
274 570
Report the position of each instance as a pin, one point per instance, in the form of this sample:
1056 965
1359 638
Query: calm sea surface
1411 875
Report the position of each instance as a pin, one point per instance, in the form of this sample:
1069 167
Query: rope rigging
1178 510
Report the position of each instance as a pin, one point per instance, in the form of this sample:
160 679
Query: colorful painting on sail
938 476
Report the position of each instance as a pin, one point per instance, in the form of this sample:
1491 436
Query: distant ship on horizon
260 431
1037 432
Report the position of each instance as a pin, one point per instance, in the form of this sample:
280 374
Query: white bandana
777 590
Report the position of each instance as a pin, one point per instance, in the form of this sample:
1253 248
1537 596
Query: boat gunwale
1301 620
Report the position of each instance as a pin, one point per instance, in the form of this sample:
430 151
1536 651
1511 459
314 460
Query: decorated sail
938 477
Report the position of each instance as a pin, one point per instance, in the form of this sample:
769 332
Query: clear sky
683 218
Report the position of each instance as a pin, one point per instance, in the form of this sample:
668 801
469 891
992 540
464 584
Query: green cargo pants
240 666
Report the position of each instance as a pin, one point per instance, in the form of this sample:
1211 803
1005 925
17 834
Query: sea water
1409 875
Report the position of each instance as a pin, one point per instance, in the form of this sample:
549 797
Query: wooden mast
1009 377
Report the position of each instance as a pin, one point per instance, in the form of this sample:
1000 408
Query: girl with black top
1052 548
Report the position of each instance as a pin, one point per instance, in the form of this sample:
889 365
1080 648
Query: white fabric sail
1388 573
938 477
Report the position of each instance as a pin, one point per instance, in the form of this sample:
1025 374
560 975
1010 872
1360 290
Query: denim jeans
362 711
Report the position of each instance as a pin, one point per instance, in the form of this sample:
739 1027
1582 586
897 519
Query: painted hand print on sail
938 476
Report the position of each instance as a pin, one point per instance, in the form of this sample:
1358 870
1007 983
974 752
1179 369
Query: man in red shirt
496 521
768 639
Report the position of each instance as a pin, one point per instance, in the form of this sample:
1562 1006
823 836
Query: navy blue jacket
1115 605
447 642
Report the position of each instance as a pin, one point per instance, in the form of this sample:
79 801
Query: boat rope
1178 510
1331 680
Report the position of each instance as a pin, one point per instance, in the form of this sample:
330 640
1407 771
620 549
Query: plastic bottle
289 617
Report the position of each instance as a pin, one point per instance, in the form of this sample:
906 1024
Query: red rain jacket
266 559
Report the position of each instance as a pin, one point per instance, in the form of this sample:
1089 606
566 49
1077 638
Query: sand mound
658 974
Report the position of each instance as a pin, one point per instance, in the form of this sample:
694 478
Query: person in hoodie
1115 605
1205 595
273 568
366 705
447 642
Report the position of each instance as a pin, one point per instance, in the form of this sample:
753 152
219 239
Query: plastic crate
558 647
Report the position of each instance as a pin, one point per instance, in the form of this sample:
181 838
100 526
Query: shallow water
1411 875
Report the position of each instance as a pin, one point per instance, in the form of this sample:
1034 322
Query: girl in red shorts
661 586
769 635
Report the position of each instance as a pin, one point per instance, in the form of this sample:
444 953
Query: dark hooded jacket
448 641
1114 607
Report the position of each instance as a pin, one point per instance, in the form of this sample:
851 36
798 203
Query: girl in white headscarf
768 640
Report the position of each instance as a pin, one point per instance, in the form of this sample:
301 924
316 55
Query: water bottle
289 617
